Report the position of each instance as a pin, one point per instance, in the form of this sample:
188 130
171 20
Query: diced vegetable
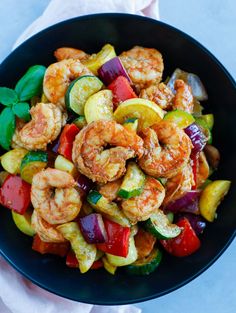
110 70
181 118
92 228
99 255
97 264
159 225
146 265
107 208
185 244
3 176
108 266
197 222
32 163
84 183
71 260
144 243
96 61
133 182
146 111
66 140
212 155
80 121
123 261
65 165
209 119
121 90
198 90
117 239
197 108
131 124
99 106
15 194
42 247
205 129
211 197
170 216
23 222
79 91
197 137
11 160
85 253
186 203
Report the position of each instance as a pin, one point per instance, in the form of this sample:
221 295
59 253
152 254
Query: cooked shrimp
101 165
144 66
57 78
110 189
179 184
167 149
183 99
46 232
141 207
44 127
65 53
202 170
160 94
53 196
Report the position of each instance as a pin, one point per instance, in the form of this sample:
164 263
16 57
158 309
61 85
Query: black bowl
90 33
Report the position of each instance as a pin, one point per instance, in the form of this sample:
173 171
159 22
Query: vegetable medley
108 165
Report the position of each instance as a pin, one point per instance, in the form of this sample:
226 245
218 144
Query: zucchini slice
146 265
133 182
65 165
80 90
99 106
108 266
32 163
131 124
11 160
159 225
23 223
109 209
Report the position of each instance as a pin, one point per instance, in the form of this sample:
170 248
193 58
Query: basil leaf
31 83
8 96
7 127
21 109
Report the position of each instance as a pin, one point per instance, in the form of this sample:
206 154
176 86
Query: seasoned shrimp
46 232
202 170
44 127
70 53
110 189
141 207
183 99
57 78
54 197
167 149
144 66
101 165
179 184
160 94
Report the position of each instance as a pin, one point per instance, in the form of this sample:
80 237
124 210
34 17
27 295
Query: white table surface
213 23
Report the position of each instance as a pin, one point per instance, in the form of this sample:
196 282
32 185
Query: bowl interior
124 31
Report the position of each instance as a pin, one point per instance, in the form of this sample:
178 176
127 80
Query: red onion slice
197 137
187 203
84 183
111 70
92 228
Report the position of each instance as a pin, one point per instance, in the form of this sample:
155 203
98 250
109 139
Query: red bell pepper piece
66 140
42 247
121 90
117 239
185 244
97 264
71 261
15 194
195 165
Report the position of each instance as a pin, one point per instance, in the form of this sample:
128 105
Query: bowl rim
223 70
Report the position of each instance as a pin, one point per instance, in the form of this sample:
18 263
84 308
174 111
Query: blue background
213 23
